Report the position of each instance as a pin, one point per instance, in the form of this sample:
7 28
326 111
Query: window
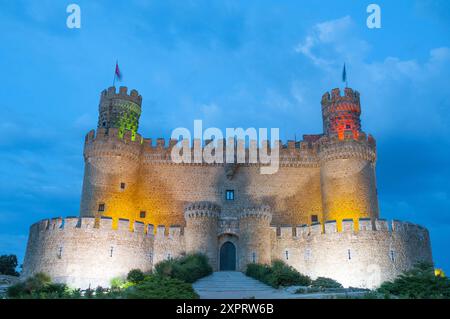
142 214
349 252
314 218
101 207
392 255
348 126
111 251
122 185
254 257
60 252
307 254
230 195
287 254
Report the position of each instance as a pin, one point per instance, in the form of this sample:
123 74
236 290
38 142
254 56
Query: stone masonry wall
85 252
363 257
161 189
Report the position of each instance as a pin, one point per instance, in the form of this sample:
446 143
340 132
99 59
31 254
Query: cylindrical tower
341 113
119 110
347 157
254 236
112 160
201 229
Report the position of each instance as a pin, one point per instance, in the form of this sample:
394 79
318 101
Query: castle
319 213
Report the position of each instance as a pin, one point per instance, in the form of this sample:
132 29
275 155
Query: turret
201 229
112 158
341 113
119 110
254 228
347 160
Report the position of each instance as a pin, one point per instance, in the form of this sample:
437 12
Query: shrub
8 265
323 282
117 283
38 286
188 268
136 276
258 271
278 274
285 275
420 282
161 287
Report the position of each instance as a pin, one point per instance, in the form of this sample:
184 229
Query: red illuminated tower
341 113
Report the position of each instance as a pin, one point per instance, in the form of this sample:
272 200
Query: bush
278 274
135 276
38 286
161 287
420 282
323 282
188 268
8 265
258 271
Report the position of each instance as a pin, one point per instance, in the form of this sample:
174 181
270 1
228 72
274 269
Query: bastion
319 212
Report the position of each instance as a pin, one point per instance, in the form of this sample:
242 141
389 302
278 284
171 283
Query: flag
344 75
117 73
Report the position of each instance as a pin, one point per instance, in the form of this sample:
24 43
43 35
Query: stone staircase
235 285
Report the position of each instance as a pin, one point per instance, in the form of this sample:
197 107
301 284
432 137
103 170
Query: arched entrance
227 257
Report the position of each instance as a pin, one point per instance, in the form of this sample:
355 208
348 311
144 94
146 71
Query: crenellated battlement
332 147
202 210
262 212
109 142
349 101
120 226
348 226
122 94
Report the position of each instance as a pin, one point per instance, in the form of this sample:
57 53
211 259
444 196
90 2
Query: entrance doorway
227 257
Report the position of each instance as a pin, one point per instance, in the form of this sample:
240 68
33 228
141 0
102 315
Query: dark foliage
418 283
278 274
8 265
136 276
188 268
160 287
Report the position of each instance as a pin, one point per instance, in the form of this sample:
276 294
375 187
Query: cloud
392 89
332 42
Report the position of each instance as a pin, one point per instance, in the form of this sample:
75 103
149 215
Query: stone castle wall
88 252
140 189
356 257
162 189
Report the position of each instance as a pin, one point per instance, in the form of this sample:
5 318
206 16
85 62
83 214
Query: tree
8 264
419 282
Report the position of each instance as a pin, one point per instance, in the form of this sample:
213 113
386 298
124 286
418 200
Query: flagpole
114 81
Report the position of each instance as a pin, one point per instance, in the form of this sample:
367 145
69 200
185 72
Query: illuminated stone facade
319 212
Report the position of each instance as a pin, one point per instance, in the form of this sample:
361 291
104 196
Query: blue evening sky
231 64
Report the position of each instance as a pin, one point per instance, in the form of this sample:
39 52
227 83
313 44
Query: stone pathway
232 285
236 285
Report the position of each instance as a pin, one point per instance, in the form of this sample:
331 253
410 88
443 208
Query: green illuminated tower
120 110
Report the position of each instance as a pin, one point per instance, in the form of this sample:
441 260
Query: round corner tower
347 158
112 156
